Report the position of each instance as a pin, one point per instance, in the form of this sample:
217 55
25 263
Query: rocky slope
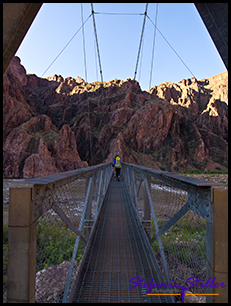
54 124
33 146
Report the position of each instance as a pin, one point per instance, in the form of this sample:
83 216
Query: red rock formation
195 95
56 78
119 145
37 165
120 116
65 151
173 126
18 71
15 108
27 152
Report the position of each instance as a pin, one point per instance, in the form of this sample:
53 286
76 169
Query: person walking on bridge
118 167
113 165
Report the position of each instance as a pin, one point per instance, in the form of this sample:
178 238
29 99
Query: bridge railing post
67 286
147 211
44 211
129 180
22 247
146 222
134 198
190 232
99 193
217 246
88 213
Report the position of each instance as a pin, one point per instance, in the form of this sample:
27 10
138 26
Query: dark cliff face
49 125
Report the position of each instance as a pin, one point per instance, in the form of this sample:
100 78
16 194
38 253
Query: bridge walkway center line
118 251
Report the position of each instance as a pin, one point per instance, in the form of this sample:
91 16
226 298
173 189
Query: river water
74 206
9 183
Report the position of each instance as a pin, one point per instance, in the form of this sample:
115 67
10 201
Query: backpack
118 164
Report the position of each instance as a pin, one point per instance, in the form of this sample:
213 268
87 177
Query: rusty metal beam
215 18
22 247
17 19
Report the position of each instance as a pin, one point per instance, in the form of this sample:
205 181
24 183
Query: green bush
55 244
185 233
192 171
217 172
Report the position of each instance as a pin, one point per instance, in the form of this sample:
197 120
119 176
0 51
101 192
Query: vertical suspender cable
89 122
96 65
141 58
97 45
100 67
153 47
142 32
88 106
84 51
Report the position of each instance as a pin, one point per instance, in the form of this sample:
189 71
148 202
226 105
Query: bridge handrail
52 203
67 175
194 208
164 175
49 195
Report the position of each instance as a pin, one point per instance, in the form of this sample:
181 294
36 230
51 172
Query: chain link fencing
176 212
179 209
65 216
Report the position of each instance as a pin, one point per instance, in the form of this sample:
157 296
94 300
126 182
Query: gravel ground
50 283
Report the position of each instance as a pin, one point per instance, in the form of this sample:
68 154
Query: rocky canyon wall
52 125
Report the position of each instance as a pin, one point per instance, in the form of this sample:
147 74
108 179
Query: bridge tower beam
217 247
21 248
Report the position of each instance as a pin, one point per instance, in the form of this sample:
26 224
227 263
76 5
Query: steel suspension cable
90 137
141 58
171 46
120 14
88 106
84 51
66 45
97 45
96 65
153 47
141 37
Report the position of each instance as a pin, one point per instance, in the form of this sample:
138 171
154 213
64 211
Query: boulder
50 283
18 70
65 145
37 165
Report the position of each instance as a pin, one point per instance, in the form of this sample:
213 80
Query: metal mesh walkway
118 251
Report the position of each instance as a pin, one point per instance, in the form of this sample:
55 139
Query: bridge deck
119 250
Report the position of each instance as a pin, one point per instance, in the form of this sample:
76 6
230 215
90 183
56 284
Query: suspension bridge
153 227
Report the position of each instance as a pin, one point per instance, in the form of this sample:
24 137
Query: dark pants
117 172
